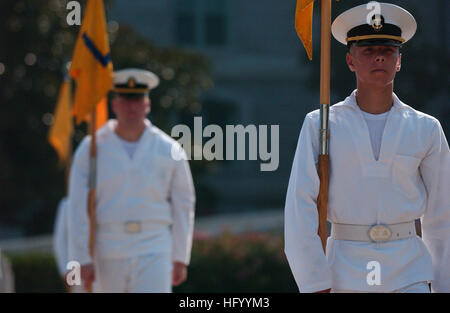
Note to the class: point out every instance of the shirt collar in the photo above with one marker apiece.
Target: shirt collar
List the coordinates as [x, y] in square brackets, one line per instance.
[148, 123]
[111, 125]
[351, 102]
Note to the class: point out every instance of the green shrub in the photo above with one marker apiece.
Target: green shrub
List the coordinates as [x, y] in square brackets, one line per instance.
[252, 262]
[36, 272]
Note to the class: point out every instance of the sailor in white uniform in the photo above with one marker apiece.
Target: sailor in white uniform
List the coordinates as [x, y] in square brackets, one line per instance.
[61, 245]
[144, 198]
[60, 240]
[389, 165]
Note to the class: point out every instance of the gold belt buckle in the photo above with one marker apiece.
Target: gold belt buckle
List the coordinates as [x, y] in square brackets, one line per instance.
[133, 227]
[379, 233]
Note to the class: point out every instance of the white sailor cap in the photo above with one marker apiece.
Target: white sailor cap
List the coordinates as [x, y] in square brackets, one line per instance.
[374, 23]
[134, 81]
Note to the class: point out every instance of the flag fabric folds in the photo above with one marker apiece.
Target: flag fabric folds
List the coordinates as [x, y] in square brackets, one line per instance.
[91, 66]
[60, 134]
[101, 116]
[303, 23]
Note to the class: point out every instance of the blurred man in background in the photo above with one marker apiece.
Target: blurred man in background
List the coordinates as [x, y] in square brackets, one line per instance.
[61, 245]
[144, 198]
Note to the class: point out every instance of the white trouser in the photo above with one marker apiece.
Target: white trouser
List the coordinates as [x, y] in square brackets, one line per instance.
[151, 273]
[77, 289]
[420, 287]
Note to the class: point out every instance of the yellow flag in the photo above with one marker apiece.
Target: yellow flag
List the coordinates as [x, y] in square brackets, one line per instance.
[91, 66]
[101, 116]
[60, 134]
[303, 23]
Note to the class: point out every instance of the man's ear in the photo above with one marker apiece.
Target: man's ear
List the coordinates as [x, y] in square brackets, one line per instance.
[399, 63]
[349, 58]
[148, 105]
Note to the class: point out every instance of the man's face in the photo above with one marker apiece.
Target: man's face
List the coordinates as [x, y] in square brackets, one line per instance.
[374, 65]
[130, 111]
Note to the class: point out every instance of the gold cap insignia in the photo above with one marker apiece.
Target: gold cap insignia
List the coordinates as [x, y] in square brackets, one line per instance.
[377, 22]
[131, 82]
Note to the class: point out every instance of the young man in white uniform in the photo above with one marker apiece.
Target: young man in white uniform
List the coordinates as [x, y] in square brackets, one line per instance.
[144, 198]
[389, 165]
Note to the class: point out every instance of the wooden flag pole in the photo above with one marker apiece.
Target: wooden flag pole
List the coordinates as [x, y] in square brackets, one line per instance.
[68, 165]
[92, 185]
[325, 45]
[70, 148]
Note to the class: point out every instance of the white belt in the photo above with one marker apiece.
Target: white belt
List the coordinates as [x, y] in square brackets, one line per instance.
[131, 227]
[373, 233]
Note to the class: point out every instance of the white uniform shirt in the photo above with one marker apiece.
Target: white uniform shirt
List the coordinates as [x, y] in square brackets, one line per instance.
[410, 180]
[60, 240]
[151, 187]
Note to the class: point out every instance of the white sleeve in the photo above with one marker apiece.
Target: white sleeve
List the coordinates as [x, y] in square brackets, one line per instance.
[78, 223]
[60, 239]
[303, 247]
[182, 199]
[435, 171]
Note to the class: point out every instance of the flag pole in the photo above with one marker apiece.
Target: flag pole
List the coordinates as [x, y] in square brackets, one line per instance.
[325, 49]
[68, 165]
[69, 148]
[92, 185]
[92, 70]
